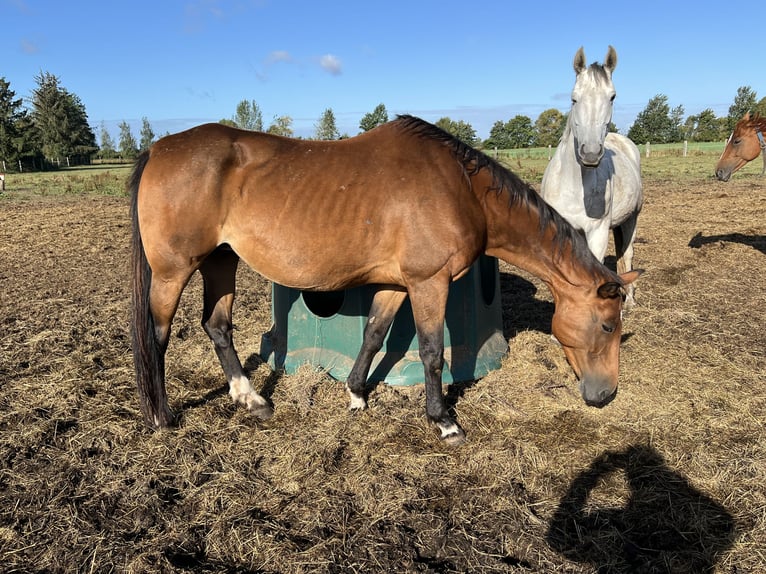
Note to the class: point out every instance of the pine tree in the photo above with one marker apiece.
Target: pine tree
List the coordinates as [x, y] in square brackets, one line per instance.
[326, 129]
[128, 146]
[11, 114]
[107, 144]
[60, 120]
[147, 135]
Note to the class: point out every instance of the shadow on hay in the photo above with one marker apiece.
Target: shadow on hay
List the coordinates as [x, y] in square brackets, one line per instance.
[665, 521]
[522, 311]
[755, 241]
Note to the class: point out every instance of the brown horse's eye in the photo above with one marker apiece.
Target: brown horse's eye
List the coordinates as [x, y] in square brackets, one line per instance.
[607, 328]
[737, 141]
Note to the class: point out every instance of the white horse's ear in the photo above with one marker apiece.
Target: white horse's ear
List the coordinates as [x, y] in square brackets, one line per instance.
[579, 61]
[610, 62]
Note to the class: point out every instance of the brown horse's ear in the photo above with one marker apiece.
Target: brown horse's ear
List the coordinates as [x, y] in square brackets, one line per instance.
[610, 62]
[613, 289]
[610, 290]
[579, 61]
[630, 276]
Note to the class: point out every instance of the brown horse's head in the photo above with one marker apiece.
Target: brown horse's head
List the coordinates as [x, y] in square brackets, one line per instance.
[743, 146]
[589, 329]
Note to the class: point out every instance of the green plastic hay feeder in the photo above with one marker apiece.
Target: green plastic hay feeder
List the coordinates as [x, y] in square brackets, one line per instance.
[326, 329]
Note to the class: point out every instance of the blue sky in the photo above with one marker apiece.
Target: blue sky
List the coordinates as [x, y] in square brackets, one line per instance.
[182, 63]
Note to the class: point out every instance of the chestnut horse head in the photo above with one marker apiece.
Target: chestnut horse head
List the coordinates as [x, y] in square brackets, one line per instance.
[745, 144]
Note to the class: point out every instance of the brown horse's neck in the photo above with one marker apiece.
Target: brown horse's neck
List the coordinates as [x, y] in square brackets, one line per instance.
[523, 231]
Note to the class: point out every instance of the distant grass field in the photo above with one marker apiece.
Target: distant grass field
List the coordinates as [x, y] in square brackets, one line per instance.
[664, 161]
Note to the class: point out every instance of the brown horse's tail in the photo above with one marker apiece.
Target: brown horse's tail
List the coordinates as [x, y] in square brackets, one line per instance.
[148, 352]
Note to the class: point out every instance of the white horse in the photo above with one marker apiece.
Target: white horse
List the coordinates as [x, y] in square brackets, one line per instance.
[594, 178]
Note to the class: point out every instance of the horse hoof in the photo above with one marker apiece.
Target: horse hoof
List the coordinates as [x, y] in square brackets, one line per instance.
[452, 434]
[454, 439]
[261, 412]
[162, 420]
[356, 402]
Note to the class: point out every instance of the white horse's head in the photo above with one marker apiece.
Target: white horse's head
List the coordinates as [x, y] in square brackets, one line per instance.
[592, 100]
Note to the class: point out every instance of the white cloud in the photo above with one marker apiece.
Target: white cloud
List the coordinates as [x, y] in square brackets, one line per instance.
[330, 64]
[279, 56]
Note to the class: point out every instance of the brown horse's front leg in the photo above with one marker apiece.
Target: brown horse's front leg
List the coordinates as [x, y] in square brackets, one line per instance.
[432, 355]
[429, 304]
[385, 303]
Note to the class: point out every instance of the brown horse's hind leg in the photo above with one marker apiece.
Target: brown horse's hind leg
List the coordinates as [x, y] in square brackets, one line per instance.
[385, 304]
[429, 304]
[219, 273]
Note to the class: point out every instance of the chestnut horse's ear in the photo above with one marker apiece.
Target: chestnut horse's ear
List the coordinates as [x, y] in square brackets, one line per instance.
[610, 290]
[579, 61]
[610, 62]
[613, 289]
[630, 276]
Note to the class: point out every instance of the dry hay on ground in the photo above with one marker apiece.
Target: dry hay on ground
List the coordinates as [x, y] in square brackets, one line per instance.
[670, 477]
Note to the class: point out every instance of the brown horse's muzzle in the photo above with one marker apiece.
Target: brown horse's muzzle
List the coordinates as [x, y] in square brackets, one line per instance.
[723, 174]
[597, 392]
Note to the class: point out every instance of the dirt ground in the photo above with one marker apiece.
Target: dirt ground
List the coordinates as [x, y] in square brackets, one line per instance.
[670, 477]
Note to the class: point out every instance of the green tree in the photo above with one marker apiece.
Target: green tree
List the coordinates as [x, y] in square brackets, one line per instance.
[325, 128]
[760, 107]
[377, 117]
[498, 136]
[11, 115]
[107, 150]
[249, 116]
[656, 123]
[147, 135]
[744, 101]
[704, 127]
[60, 119]
[460, 129]
[128, 146]
[520, 131]
[228, 122]
[549, 127]
[281, 126]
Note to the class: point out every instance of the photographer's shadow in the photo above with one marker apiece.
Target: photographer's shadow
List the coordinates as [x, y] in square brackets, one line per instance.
[666, 525]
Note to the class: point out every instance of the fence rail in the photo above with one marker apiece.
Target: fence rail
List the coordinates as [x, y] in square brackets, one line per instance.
[680, 149]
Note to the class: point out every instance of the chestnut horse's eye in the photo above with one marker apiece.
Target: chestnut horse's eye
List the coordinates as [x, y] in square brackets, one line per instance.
[737, 141]
[607, 328]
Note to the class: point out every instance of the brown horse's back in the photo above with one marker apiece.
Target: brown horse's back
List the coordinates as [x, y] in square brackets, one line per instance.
[386, 200]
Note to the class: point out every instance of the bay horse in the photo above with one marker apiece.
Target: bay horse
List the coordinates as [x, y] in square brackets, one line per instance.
[744, 145]
[594, 177]
[406, 207]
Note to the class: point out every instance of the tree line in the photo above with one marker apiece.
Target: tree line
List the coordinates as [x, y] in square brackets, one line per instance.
[53, 129]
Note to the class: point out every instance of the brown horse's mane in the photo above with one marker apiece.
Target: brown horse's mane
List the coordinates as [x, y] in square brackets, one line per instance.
[754, 121]
[504, 179]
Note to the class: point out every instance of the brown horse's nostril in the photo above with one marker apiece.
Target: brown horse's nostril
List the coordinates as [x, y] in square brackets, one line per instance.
[599, 399]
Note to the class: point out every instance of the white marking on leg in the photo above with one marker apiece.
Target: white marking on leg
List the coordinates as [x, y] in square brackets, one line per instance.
[243, 393]
[357, 402]
[452, 434]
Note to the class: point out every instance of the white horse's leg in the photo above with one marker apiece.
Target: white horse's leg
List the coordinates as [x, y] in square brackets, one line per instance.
[624, 236]
[598, 240]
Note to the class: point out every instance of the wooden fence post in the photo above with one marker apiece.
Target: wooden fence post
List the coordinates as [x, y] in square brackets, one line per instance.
[648, 152]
